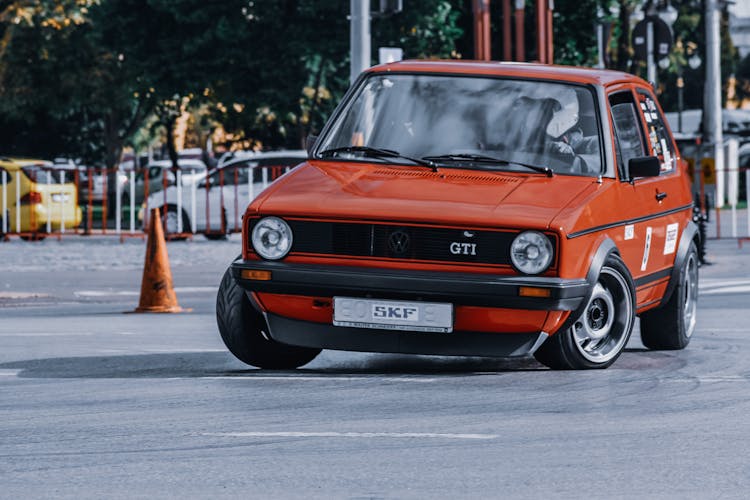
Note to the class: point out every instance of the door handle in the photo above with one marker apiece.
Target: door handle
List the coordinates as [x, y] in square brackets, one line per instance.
[660, 196]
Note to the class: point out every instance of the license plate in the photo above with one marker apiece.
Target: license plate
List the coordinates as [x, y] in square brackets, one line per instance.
[393, 315]
[60, 197]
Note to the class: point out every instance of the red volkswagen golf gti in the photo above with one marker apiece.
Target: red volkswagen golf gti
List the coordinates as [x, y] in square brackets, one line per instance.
[472, 209]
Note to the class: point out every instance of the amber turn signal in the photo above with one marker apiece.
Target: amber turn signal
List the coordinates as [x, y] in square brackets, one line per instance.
[532, 291]
[251, 274]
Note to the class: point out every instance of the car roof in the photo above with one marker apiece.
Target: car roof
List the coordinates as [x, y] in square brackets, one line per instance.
[181, 162]
[511, 69]
[238, 156]
[9, 163]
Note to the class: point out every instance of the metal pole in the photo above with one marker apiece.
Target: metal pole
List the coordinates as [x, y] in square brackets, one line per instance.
[651, 66]
[4, 213]
[712, 106]
[507, 32]
[520, 30]
[541, 31]
[482, 30]
[132, 201]
[680, 97]
[359, 37]
[62, 205]
[49, 202]
[550, 46]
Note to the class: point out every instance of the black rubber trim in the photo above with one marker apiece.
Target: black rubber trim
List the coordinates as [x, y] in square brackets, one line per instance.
[629, 221]
[325, 336]
[644, 280]
[606, 248]
[682, 249]
[647, 304]
[484, 290]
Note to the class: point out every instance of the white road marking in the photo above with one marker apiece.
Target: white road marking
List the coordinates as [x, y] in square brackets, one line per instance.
[303, 378]
[709, 379]
[9, 373]
[714, 282]
[106, 293]
[23, 295]
[365, 435]
[135, 293]
[726, 289]
[47, 334]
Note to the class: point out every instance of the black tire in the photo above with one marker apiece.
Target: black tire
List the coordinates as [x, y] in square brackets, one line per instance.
[671, 326]
[169, 215]
[596, 338]
[3, 235]
[215, 236]
[218, 235]
[33, 237]
[242, 329]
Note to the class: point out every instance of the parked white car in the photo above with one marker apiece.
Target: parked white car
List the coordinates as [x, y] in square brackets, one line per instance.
[214, 203]
[191, 170]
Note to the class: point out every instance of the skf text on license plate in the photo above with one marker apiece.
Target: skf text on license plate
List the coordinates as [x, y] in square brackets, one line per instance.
[406, 313]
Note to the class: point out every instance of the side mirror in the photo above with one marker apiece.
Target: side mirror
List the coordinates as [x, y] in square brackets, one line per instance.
[647, 166]
[310, 141]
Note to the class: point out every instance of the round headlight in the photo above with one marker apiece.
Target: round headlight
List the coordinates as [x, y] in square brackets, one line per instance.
[272, 238]
[531, 252]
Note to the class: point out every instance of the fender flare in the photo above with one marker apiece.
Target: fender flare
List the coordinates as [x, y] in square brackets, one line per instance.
[605, 249]
[688, 235]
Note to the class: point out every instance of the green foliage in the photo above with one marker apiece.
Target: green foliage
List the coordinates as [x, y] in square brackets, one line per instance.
[574, 34]
[89, 76]
[429, 30]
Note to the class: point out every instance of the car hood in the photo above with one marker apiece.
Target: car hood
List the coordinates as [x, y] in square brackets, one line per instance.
[450, 196]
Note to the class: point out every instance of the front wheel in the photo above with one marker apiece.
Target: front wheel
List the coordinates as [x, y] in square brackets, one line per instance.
[243, 330]
[598, 336]
[671, 326]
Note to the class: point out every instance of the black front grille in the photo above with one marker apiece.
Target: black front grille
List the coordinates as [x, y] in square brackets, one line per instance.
[403, 242]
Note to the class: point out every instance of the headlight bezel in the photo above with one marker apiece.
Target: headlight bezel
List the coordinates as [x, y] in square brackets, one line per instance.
[542, 242]
[271, 223]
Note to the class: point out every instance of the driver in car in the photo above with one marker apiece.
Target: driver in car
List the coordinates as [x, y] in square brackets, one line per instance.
[564, 136]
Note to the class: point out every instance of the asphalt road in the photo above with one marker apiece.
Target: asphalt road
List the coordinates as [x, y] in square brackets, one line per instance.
[95, 403]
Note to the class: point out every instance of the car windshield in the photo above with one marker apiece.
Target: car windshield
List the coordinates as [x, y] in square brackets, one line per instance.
[450, 119]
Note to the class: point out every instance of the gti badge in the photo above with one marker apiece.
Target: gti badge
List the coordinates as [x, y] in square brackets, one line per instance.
[458, 248]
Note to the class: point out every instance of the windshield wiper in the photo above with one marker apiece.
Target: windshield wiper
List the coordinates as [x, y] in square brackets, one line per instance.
[488, 159]
[378, 153]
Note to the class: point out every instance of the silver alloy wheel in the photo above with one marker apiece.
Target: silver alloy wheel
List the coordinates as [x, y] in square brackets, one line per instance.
[602, 330]
[690, 295]
[170, 222]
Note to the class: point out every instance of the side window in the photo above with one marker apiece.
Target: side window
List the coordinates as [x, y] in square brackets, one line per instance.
[658, 134]
[628, 136]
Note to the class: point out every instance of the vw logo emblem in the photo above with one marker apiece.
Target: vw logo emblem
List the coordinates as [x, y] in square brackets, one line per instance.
[398, 242]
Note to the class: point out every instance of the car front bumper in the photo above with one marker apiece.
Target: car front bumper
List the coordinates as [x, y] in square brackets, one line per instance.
[471, 289]
[460, 289]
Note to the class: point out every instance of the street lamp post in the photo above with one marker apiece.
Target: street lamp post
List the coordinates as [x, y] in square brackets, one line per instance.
[693, 61]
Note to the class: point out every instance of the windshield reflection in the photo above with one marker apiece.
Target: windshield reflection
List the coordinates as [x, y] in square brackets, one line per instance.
[537, 123]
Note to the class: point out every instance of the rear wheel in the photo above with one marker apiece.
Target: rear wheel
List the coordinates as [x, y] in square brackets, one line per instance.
[596, 338]
[244, 331]
[671, 326]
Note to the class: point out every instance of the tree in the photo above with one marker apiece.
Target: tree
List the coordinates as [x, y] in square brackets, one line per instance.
[58, 81]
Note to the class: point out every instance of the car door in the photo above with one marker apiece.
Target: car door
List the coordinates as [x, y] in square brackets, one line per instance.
[671, 187]
[648, 237]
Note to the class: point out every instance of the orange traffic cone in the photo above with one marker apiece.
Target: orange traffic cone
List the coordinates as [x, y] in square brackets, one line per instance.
[157, 292]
